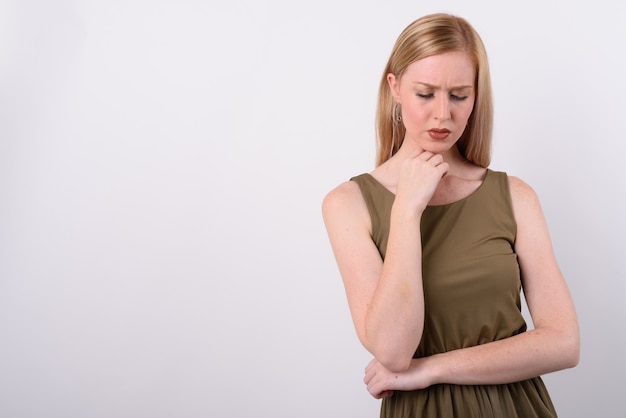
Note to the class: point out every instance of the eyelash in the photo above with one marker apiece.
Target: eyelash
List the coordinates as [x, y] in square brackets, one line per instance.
[452, 96]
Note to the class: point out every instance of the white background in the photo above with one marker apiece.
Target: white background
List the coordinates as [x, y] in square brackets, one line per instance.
[162, 166]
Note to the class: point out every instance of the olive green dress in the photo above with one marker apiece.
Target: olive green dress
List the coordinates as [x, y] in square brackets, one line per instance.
[472, 286]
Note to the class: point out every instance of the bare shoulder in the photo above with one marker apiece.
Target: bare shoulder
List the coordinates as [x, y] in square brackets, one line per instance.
[346, 191]
[522, 194]
[526, 206]
[344, 200]
[520, 189]
[349, 227]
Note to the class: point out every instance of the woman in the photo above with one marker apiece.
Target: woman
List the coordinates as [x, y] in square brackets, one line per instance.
[433, 247]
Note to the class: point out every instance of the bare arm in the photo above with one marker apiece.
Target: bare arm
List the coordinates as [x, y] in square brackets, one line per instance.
[552, 345]
[386, 299]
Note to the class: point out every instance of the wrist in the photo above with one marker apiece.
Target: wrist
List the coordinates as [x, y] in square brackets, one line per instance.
[404, 213]
[435, 369]
[432, 369]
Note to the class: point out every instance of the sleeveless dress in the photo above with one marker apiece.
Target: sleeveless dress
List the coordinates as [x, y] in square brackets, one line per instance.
[472, 285]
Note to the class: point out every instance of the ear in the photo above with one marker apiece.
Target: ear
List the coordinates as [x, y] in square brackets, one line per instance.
[394, 86]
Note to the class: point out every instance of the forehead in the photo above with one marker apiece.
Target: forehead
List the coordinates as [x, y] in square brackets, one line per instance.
[450, 68]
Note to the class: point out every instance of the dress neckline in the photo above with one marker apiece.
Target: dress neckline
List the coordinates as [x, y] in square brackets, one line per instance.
[469, 196]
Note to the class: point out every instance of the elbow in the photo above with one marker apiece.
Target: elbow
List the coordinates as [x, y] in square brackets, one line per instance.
[396, 365]
[571, 360]
[571, 351]
[395, 362]
[573, 357]
[391, 358]
[395, 356]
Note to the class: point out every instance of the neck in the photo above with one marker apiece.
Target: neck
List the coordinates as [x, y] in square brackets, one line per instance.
[452, 156]
[459, 166]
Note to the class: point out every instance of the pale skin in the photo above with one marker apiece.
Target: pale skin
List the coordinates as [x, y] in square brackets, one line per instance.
[386, 298]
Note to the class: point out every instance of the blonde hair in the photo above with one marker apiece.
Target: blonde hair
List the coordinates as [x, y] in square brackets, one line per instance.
[431, 35]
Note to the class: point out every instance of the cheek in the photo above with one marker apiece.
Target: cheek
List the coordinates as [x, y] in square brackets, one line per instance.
[466, 111]
[413, 114]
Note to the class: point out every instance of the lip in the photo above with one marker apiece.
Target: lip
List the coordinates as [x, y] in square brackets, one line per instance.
[438, 134]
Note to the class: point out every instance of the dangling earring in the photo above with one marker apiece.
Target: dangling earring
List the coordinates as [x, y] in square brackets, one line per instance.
[396, 118]
[396, 114]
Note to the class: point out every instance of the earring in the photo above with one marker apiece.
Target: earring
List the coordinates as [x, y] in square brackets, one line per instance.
[396, 114]
[396, 118]
[393, 142]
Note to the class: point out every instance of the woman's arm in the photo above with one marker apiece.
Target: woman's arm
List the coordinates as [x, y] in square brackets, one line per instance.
[552, 345]
[386, 299]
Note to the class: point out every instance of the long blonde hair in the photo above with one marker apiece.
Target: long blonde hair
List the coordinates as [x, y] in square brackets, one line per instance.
[431, 35]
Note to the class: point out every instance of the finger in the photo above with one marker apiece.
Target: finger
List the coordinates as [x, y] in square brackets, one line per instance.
[367, 378]
[371, 388]
[378, 394]
[443, 168]
[436, 159]
[425, 155]
[417, 151]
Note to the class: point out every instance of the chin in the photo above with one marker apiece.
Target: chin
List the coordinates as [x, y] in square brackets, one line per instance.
[439, 147]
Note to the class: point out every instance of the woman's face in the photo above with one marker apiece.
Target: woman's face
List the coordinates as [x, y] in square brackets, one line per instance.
[437, 97]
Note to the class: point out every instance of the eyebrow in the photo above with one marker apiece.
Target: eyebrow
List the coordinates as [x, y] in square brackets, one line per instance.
[431, 86]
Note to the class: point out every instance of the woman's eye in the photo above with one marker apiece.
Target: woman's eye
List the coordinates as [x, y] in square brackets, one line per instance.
[425, 95]
[457, 98]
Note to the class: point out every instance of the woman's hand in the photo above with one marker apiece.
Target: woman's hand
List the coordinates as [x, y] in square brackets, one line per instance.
[419, 176]
[381, 383]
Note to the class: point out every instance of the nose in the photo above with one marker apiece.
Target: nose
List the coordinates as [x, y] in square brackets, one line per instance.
[442, 110]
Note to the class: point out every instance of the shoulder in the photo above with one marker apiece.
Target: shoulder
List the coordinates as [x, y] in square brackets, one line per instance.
[346, 215]
[521, 191]
[345, 197]
[523, 198]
